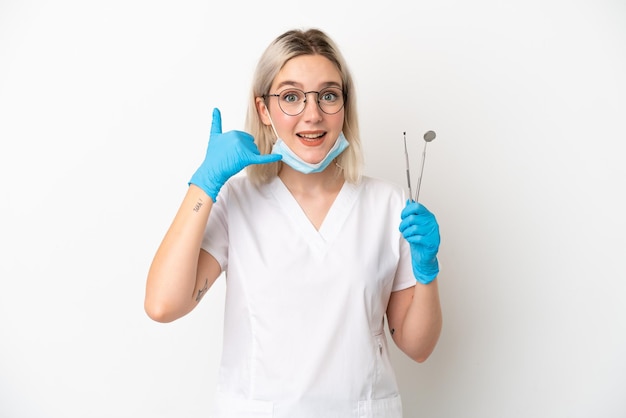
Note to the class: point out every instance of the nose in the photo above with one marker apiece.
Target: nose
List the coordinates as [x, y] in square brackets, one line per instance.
[311, 106]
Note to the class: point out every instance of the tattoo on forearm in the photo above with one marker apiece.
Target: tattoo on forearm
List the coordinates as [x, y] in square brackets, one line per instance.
[198, 205]
[202, 291]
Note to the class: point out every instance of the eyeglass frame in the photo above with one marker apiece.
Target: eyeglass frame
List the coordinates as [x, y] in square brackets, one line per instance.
[306, 93]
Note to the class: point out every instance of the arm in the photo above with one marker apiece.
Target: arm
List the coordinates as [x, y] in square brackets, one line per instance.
[414, 314]
[415, 320]
[181, 272]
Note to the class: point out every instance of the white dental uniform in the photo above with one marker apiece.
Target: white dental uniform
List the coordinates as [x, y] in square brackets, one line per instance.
[304, 316]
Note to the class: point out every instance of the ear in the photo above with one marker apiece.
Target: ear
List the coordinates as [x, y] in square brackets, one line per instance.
[262, 110]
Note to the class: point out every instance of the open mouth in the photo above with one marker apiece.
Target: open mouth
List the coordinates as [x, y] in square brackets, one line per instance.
[312, 139]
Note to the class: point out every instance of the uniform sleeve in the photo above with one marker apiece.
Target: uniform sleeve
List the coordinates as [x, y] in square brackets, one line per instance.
[404, 274]
[215, 240]
[404, 277]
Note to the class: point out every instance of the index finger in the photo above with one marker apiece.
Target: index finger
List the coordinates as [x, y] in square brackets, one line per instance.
[414, 208]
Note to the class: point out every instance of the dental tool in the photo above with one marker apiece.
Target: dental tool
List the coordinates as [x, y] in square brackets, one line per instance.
[408, 172]
[428, 137]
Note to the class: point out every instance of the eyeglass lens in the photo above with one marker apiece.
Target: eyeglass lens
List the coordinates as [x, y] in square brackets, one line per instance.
[292, 101]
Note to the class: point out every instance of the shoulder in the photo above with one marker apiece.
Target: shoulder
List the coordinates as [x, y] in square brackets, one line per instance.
[382, 188]
[381, 196]
[241, 187]
[239, 180]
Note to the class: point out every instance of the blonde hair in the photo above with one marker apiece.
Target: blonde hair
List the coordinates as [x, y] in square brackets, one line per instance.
[291, 44]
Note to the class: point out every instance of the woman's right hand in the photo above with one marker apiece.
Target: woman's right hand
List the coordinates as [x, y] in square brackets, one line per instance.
[227, 154]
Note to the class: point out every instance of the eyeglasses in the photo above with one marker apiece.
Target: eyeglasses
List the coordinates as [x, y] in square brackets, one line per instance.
[292, 101]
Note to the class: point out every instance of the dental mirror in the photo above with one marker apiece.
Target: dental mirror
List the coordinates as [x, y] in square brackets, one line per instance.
[428, 137]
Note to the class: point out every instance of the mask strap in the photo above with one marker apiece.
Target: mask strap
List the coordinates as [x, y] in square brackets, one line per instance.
[272, 123]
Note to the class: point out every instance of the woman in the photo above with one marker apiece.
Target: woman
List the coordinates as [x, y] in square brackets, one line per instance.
[315, 255]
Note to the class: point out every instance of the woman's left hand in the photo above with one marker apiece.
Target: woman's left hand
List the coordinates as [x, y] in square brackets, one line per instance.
[420, 228]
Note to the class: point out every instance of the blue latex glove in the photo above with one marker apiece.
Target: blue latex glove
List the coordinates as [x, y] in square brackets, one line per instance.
[227, 154]
[419, 227]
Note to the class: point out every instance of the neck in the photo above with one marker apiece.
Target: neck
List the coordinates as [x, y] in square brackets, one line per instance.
[329, 180]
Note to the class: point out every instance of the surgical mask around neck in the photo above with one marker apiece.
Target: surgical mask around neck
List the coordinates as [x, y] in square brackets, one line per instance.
[292, 160]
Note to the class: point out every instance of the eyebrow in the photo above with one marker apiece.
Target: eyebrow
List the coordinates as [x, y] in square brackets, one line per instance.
[299, 85]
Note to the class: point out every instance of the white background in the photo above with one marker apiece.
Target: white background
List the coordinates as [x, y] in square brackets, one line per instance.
[105, 111]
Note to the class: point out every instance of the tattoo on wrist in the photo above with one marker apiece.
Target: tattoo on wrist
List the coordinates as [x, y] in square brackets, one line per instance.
[198, 205]
[202, 291]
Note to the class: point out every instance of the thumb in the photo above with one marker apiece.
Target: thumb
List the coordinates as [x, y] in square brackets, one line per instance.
[216, 125]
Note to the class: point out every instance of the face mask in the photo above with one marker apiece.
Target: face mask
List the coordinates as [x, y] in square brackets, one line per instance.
[292, 160]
